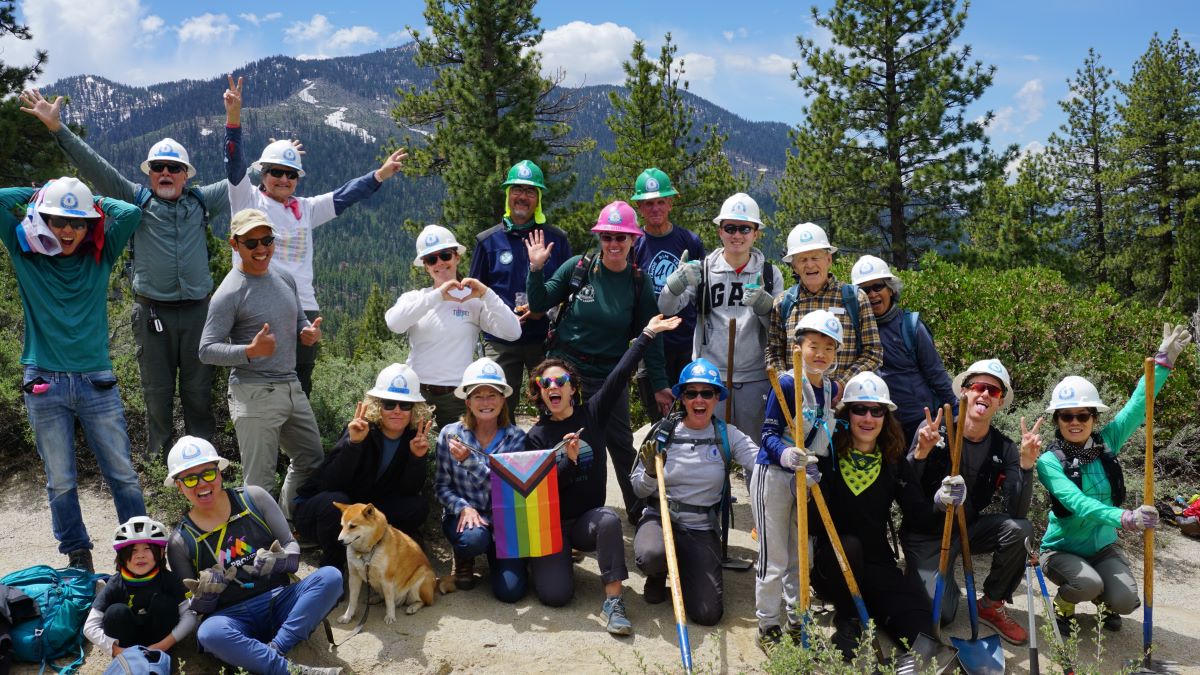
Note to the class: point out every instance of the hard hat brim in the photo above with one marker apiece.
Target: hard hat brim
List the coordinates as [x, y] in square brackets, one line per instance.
[523, 181]
[464, 390]
[787, 258]
[642, 196]
[961, 377]
[222, 463]
[417, 262]
[191, 170]
[386, 395]
[259, 164]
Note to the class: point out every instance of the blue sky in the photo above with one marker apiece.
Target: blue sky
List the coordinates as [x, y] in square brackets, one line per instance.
[737, 54]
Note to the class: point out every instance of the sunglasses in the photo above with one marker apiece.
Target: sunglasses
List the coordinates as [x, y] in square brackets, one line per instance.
[985, 388]
[432, 258]
[60, 223]
[874, 288]
[1076, 417]
[737, 229]
[523, 190]
[560, 381]
[864, 410]
[706, 394]
[391, 405]
[619, 238]
[192, 480]
[169, 167]
[252, 244]
[290, 174]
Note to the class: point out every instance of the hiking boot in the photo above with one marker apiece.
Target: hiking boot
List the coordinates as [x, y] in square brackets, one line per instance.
[1064, 616]
[81, 559]
[614, 611]
[464, 573]
[769, 639]
[1111, 622]
[992, 613]
[847, 633]
[795, 630]
[655, 590]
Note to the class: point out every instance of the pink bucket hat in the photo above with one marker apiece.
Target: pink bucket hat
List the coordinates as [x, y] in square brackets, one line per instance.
[618, 218]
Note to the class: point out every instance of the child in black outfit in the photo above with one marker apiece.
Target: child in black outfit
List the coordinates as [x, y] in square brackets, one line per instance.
[144, 603]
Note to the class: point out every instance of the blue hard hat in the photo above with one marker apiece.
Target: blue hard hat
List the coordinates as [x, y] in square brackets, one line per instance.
[701, 371]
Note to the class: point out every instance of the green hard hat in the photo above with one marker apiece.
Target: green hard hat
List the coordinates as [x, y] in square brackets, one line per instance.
[525, 172]
[652, 184]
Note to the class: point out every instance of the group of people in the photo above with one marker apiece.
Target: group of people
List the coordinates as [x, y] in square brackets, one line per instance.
[829, 379]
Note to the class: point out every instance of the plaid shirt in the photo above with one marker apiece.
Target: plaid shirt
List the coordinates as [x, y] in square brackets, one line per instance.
[468, 483]
[781, 338]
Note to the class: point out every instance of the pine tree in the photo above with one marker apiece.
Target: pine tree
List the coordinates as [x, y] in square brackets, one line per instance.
[1158, 177]
[27, 155]
[487, 108]
[372, 331]
[887, 156]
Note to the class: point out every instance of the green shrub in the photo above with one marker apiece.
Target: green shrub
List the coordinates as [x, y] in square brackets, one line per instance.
[339, 383]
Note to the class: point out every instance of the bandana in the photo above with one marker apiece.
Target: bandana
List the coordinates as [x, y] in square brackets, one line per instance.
[1085, 453]
[35, 236]
[859, 470]
[132, 580]
[293, 205]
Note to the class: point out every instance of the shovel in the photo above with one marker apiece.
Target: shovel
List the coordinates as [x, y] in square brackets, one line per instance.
[1035, 668]
[685, 646]
[1036, 566]
[977, 656]
[739, 564]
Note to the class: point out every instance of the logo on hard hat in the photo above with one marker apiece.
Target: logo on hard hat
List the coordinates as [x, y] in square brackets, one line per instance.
[167, 150]
[833, 324]
[698, 369]
[614, 216]
[866, 267]
[289, 154]
[506, 258]
[69, 201]
[739, 207]
[431, 239]
[524, 171]
[191, 451]
[651, 184]
[712, 373]
[995, 367]
[806, 236]
[399, 384]
[489, 372]
[870, 384]
[1066, 393]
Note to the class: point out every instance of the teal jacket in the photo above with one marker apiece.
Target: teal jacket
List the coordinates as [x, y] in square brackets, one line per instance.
[1094, 520]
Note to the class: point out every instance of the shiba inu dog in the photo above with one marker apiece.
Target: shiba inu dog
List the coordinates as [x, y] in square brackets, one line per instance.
[389, 560]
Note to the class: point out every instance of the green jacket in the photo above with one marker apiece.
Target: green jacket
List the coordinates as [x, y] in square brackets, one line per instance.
[1094, 520]
[599, 322]
[171, 247]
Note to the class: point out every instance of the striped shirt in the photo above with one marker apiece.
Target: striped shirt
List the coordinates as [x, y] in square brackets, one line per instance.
[458, 485]
[850, 362]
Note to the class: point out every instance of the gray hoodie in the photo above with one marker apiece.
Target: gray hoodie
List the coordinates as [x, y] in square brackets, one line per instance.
[725, 289]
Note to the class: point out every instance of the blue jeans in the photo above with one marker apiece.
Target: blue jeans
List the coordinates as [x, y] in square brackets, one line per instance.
[241, 634]
[95, 400]
[508, 577]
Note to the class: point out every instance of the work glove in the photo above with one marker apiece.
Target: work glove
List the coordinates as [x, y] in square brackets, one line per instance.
[757, 298]
[647, 452]
[686, 275]
[1142, 518]
[812, 475]
[1175, 339]
[953, 492]
[206, 589]
[791, 458]
[268, 561]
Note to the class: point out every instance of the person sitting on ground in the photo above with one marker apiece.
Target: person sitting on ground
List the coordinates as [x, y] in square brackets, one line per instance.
[236, 554]
[1080, 550]
[144, 603]
[911, 366]
[443, 321]
[587, 524]
[773, 487]
[994, 487]
[462, 482]
[697, 458]
[860, 480]
[380, 459]
[62, 255]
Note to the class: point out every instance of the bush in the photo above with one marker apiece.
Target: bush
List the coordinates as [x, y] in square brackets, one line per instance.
[339, 383]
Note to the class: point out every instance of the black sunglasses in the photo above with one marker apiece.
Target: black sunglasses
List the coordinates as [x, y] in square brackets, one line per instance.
[252, 244]
[444, 255]
[706, 394]
[391, 405]
[874, 288]
[619, 238]
[864, 410]
[61, 223]
[169, 167]
[1080, 416]
[283, 173]
[737, 229]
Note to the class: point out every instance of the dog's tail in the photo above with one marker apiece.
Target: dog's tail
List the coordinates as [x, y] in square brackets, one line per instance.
[445, 585]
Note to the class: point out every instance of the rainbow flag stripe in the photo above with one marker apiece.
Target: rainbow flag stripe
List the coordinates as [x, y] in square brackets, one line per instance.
[525, 517]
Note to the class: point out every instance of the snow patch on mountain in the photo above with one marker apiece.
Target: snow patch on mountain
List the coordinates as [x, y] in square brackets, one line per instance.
[336, 119]
[304, 95]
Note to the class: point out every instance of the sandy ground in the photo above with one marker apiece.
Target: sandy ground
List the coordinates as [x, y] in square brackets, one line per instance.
[470, 632]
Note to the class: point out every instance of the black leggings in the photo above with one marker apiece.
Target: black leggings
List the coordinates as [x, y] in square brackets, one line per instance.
[128, 628]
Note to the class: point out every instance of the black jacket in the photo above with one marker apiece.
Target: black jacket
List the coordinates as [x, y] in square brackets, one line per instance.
[353, 468]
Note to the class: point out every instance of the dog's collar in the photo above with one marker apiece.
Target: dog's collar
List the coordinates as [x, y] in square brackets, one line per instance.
[369, 555]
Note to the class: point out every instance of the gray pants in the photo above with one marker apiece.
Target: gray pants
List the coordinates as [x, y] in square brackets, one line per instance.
[268, 417]
[699, 556]
[167, 356]
[515, 360]
[749, 407]
[776, 584]
[1101, 578]
[997, 533]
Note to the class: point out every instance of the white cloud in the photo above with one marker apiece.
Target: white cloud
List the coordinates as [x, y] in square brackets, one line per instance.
[152, 24]
[258, 20]
[1029, 104]
[1029, 149]
[1034, 58]
[315, 29]
[322, 38]
[587, 53]
[771, 64]
[699, 67]
[207, 28]
[739, 33]
[355, 35]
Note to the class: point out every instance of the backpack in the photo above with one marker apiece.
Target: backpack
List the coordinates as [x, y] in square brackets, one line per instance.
[140, 661]
[908, 332]
[662, 433]
[1074, 471]
[849, 301]
[240, 507]
[578, 279]
[142, 197]
[64, 599]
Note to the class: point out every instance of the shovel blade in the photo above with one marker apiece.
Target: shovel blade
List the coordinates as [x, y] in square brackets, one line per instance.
[927, 652]
[982, 656]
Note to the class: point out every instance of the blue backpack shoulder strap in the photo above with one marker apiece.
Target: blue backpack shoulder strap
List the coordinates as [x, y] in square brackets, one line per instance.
[723, 438]
[850, 302]
[908, 331]
[790, 297]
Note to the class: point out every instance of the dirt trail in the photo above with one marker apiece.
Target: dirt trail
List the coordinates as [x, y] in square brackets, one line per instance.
[470, 632]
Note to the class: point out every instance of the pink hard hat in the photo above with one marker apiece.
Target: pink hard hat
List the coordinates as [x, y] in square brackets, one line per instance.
[618, 218]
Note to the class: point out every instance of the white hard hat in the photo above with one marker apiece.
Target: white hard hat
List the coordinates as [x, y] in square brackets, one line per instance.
[190, 451]
[67, 197]
[869, 268]
[140, 530]
[991, 367]
[740, 206]
[434, 238]
[806, 237]
[1075, 392]
[280, 153]
[822, 321]
[484, 371]
[168, 150]
[867, 387]
[397, 382]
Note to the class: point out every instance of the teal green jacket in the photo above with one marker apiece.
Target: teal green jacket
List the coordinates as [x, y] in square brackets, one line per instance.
[598, 322]
[1094, 520]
